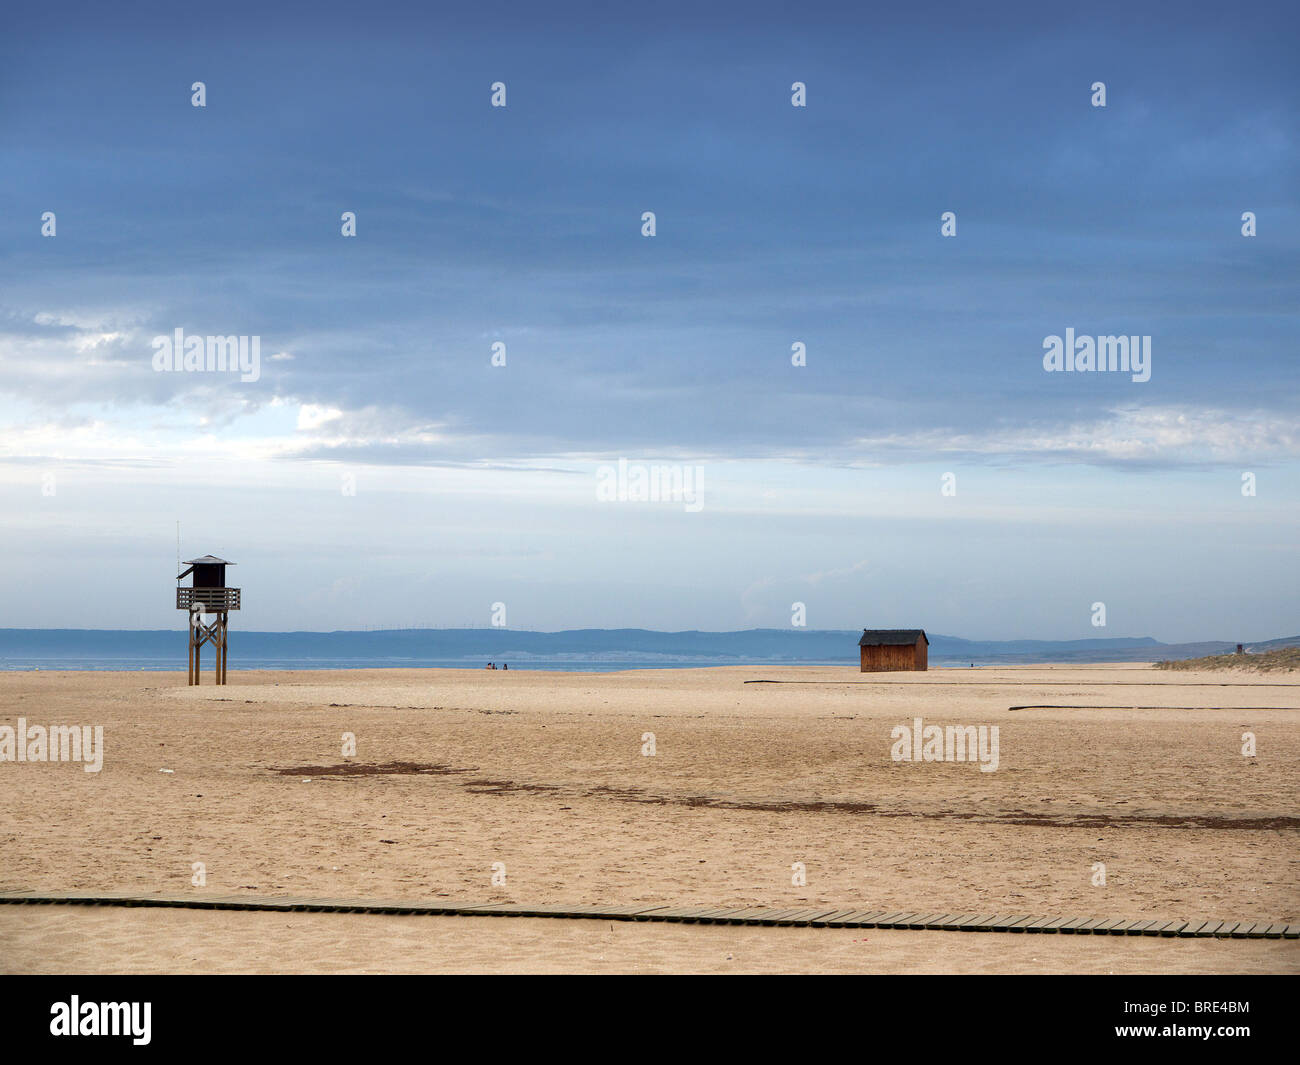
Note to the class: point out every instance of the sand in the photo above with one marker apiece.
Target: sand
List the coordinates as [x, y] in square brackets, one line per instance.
[544, 772]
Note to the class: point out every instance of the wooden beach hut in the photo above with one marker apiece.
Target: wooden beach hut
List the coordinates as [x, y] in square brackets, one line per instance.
[892, 650]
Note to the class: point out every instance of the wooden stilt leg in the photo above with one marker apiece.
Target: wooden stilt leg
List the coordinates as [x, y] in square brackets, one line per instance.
[216, 632]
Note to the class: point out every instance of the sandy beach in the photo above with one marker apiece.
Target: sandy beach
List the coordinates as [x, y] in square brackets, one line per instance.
[543, 772]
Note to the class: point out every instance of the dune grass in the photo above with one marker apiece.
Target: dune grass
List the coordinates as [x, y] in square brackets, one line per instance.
[1268, 662]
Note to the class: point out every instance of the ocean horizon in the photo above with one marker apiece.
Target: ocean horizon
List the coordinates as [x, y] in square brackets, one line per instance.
[578, 650]
[573, 665]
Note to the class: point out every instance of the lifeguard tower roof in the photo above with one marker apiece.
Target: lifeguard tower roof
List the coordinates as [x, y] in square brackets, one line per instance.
[206, 560]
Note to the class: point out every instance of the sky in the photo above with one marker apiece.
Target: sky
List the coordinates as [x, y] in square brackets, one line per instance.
[921, 468]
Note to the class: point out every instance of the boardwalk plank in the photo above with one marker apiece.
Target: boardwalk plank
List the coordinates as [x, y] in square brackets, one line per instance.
[894, 920]
[694, 914]
[757, 914]
[802, 917]
[956, 921]
[922, 920]
[986, 924]
[815, 917]
[715, 914]
[870, 918]
[748, 913]
[773, 917]
[863, 918]
[884, 918]
[829, 918]
[937, 921]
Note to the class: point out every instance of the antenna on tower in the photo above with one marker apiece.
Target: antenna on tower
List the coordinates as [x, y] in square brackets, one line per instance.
[178, 547]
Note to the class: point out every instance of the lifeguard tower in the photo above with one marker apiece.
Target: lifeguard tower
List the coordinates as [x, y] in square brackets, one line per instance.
[207, 595]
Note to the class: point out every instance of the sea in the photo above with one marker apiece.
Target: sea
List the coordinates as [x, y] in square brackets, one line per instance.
[556, 663]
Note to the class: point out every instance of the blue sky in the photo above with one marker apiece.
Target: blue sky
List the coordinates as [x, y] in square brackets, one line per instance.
[476, 483]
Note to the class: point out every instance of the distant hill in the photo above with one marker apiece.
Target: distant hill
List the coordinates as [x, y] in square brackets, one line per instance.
[1273, 645]
[415, 646]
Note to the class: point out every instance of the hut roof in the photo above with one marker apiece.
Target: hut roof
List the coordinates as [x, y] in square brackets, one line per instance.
[206, 560]
[892, 637]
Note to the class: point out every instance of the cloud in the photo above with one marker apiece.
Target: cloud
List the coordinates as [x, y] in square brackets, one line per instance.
[864, 566]
[1166, 436]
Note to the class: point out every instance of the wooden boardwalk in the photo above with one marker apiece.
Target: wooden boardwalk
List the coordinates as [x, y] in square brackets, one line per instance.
[807, 917]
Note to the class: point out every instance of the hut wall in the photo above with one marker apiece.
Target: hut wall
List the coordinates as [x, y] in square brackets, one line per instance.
[209, 576]
[893, 658]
